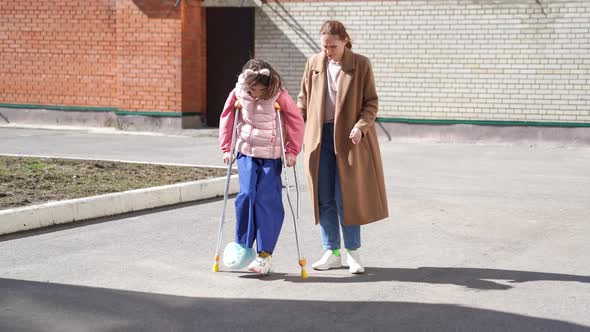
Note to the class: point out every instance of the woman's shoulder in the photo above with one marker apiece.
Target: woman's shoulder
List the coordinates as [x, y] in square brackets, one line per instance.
[360, 59]
[316, 56]
[315, 59]
[361, 62]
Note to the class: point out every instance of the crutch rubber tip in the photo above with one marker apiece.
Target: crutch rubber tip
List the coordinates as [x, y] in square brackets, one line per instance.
[216, 264]
[303, 274]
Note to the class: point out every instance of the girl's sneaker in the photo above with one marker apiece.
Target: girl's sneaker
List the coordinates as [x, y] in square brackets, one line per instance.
[261, 264]
[328, 261]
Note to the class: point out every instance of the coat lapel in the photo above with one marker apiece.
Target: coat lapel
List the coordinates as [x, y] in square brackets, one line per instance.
[345, 79]
[319, 80]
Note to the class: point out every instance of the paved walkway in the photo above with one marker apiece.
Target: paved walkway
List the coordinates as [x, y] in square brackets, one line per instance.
[481, 238]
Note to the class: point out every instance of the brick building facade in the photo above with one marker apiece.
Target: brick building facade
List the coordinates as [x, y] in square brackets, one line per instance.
[515, 63]
[102, 61]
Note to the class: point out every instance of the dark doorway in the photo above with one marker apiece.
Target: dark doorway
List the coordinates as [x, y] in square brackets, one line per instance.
[230, 44]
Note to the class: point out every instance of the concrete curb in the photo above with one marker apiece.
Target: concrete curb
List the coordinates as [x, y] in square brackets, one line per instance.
[200, 132]
[53, 213]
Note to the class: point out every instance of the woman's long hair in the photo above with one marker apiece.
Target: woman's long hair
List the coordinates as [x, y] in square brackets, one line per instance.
[333, 27]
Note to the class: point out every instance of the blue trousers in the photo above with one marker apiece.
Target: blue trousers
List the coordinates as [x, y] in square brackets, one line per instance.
[330, 199]
[259, 204]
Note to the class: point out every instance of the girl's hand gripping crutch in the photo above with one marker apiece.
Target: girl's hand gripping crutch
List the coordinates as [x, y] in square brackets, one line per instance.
[230, 162]
[300, 256]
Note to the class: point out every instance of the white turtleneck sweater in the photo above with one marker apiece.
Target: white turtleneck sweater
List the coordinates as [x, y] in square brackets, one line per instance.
[333, 73]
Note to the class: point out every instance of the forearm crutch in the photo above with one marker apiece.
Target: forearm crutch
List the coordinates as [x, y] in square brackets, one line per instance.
[237, 108]
[295, 215]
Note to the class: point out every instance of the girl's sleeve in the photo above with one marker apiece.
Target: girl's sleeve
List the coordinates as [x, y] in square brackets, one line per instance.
[293, 123]
[226, 123]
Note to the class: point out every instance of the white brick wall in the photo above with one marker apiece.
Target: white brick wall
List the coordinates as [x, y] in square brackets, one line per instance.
[450, 59]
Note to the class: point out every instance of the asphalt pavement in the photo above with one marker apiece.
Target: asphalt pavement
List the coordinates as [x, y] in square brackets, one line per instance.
[481, 237]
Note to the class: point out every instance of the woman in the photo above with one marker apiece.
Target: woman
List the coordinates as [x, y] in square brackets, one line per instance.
[339, 102]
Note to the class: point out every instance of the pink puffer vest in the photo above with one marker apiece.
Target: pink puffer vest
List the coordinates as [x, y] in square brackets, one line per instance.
[257, 126]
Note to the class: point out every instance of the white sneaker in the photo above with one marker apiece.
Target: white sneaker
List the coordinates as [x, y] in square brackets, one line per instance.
[328, 261]
[260, 265]
[353, 260]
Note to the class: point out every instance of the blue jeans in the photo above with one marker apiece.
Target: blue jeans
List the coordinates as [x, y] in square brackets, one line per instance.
[330, 199]
[259, 204]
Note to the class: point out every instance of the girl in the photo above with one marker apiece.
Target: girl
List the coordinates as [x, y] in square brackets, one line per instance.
[259, 205]
[343, 163]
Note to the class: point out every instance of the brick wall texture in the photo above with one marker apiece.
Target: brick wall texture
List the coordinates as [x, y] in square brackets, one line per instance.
[516, 60]
[521, 60]
[58, 52]
[140, 55]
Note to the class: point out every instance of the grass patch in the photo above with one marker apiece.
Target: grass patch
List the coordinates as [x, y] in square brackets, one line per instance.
[27, 181]
[35, 164]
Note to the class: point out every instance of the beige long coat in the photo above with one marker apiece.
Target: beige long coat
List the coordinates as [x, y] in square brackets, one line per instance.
[359, 166]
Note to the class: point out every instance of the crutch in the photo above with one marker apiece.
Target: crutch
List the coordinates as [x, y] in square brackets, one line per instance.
[300, 256]
[237, 108]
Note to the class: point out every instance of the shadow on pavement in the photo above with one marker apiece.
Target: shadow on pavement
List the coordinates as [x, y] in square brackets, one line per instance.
[35, 306]
[483, 279]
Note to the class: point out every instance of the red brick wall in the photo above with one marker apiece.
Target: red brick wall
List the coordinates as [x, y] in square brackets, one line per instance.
[148, 56]
[204, 58]
[136, 55]
[192, 66]
[58, 52]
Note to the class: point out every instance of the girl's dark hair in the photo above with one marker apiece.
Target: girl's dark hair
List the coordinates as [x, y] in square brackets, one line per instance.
[333, 27]
[273, 83]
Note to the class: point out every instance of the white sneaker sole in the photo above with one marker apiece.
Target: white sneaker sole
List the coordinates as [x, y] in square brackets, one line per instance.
[258, 272]
[326, 267]
[358, 270]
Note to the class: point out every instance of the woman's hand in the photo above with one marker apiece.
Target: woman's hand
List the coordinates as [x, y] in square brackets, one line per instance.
[355, 135]
[291, 160]
[226, 156]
